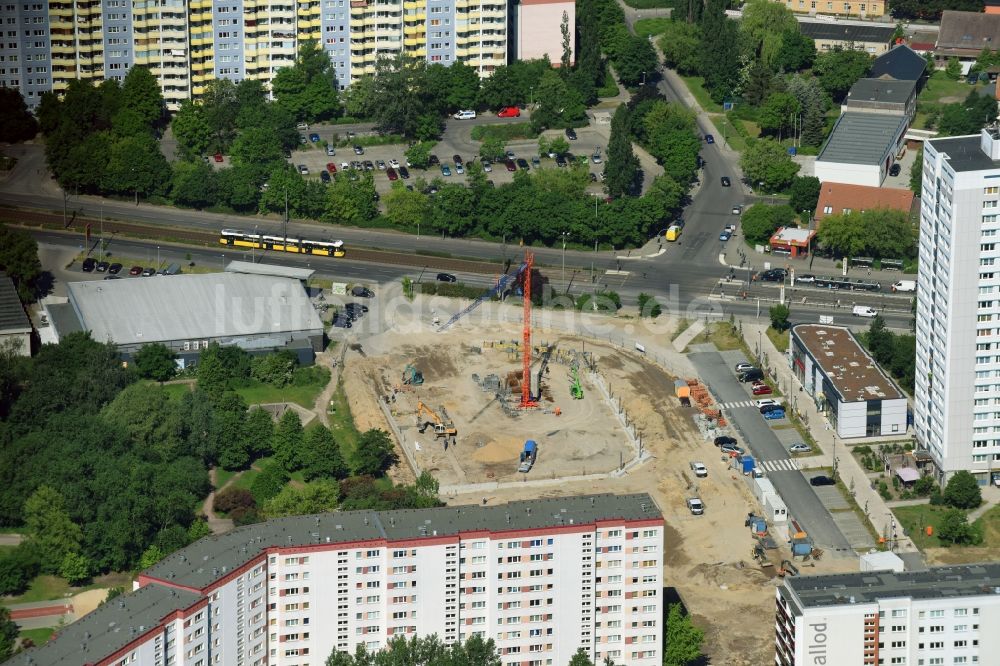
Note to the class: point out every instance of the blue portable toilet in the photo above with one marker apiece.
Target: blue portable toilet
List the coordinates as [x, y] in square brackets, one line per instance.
[748, 464]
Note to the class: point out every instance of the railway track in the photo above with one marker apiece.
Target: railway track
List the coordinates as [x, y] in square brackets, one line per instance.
[185, 236]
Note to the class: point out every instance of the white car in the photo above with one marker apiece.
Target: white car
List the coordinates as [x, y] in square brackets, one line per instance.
[468, 114]
[302, 127]
[303, 169]
[699, 469]
[695, 506]
[764, 402]
[394, 164]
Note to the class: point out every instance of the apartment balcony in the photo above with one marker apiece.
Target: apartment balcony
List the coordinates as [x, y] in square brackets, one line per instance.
[418, 53]
[412, 30]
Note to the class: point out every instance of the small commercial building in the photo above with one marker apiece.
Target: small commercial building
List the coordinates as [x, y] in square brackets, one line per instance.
[900, 63]
[537, 29]
[840, 198]
[15, 327]
[846, 383]
[829, 35]
[258, 313]
[861, 148]
[888, 96]
[792, 242]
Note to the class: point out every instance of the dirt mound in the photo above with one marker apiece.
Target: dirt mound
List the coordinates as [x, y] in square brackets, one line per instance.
[502, 450]
[436, 363]
[729, 575]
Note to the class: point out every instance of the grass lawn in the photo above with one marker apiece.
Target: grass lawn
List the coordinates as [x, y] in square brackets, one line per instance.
[42, 588]
[222, 476]
[38, 636]
[940, 85]
[651, 26]
[696, 85]
[779, 340]
[300, 395]
[342, 423]
[176, 391]
[246, 480]
[915, 519]
[508, 132]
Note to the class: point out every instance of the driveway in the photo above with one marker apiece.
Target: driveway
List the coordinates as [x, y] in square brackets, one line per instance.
[769, 446]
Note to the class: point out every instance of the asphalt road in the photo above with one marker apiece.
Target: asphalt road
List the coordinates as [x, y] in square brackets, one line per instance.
[757, 436]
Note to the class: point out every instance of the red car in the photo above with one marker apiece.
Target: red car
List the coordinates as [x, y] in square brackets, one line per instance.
[760, 388]
[509, 112]
[135, 270]
[509, 163]
[391, 173]
[218, 157]
[331, 167]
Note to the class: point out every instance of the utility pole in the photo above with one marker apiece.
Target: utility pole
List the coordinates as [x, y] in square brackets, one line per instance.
[285, 225]
[564, 234]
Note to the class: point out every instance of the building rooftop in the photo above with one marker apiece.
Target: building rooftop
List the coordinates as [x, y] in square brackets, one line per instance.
[274, 270]
[109, 628]
[211, 558]
[866, 587]
[862, 138]
[793, 236]
[881, 91]
[841, 197]
[191, 307]
[968, 31]
[854, 374]
[847, 32]
[901, 63]
[13, 318]
[965, 153]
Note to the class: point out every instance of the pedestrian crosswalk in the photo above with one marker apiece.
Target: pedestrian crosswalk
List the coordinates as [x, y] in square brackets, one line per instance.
[784, 465]
[737, 403]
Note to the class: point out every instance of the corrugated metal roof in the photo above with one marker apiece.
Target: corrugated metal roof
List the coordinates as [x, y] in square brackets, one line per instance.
[862, 138]
[189, 307]
[13, 318]
[275, 270]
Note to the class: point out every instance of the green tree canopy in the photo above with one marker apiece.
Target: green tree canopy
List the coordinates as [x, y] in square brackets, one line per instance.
[767, 165]
[308, 89]
[840, 68]
[375, 453]
[321, 456]
[763, 27]
[154, 361]
[962, 491]
[621, 169]
[8, 634]
[140, 93]
[760, 221]
[319, 496]
[954, 528]
[877, 232]
[19, 260]
[779, 317]
[49, 529]
[804, 194]
[288, 441]
[16, 122]
[680, 43]
[683, 639]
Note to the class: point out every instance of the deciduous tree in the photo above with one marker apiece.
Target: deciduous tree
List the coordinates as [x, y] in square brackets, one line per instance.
[405, 208]
[49, 529]
[680, 44]
[16, 122]
[319, 496]
[760, 221]
[763, 27]
[194, 184]
[8, 634]
[840, 68]
[622, 166]
[288, 441]
[683, 639]
[375, 453]
[962, 491]
[767, 165]
[804, 194]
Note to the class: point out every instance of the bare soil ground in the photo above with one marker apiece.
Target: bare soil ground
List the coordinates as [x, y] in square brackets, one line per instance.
[707, 559]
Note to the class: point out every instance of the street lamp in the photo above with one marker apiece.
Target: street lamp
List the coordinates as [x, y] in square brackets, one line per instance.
[564, 234]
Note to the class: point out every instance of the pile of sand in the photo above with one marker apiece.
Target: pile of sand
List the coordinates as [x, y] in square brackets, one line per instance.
[504, 449]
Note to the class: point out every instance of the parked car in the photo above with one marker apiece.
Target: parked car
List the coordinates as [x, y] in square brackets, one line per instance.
[391, 173]
[799, 448]
[135, 270]
[487, 166]
[359, 150]
[89, 264]
[314, 137]
[446, 277]
[571, 134]
[146, 272]
[331, 167]
[536, 161]
[699, 469]
[732, 448]
[769, 408]
[737, 210]
[709, 138]
[404, 173]
[457, 159]
[380, 164]
[360, 307]
[369, 166]
[725, 181]
[724, 439]
[560, 161]
[822, 480]
[509, 112]
[596, 158]
[445, 170]
[864, 311]
[302, 127]
[761, 389]
[753, 376]
[433, 160]
[510, 154]
[743, 367]
[218, 157]
[303, 169]
[725, 235]
[806, 279]
[324, 176]
[695, 506]
[362, 292]
[774, 415]
[766, 401]
[303, 140]
[330, 150]
[394, 164]
[342, 322]
[103, 266]
[593, 177]
[894, 170]
[522, 163]
[459, 169]
[467, 114]
[115, 268]
[509, 163]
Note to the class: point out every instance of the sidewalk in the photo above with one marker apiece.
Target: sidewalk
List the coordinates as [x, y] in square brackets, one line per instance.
[835, 451]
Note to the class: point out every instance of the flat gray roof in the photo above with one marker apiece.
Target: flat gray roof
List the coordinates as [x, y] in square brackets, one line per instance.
[213, 557]
[965, 153]
[13, 319]
[867, 586]
[862, 138]
[188, 307]
[109, 628]
[275, 270]
[888, 91]
[847, 33]
[854, 374]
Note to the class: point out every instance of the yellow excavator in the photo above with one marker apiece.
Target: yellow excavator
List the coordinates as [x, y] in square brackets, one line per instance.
[443, 427]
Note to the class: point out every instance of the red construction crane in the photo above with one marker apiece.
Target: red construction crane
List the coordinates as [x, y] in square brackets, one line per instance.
[526, 401]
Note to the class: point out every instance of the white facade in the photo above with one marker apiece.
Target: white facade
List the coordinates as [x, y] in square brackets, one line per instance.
[539, 29]
[957, 397]
[884, 624]
[871, 175]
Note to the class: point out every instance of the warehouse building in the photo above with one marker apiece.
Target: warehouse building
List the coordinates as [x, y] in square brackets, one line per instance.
[944, 615]
[542, 578]
[15, 327]
[861, 148]
[846, 383]
[259, 313]
[829, 35]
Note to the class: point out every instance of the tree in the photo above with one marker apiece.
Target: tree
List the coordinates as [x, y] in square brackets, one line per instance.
[559, 105]
[877, 232]
[321, 456]
[492, 148]
[194, 184]
[288, 441]
[136, 165]
[683, 639]
[227, 430]
[232, 498]
[17, 568]
[154, 361]
[351, 202]
[275, 369]
[141, 94]
[49, 529]
[149, 419]
[219, 109]
[954, 528]
[760, 221]
[76, 568]
[954, 68]
[671, 137]
[422, 651]
[840, 68]
[636, 61]
[917, 173]
[406, 208]
[804, 193]
[308, 89]
[8, 634]
[419, 154]
[268, 483]
[720, 52]
[779, 317]
[680, 43]
[797, 52]
[567, 44]
[16, 122]
[763, 27]
[581, 658]
[150, 557]
[967, 117]
[768, 165]
[375, 453]
[19, 260]
[258, 431]
[320, 496]
[779, 112]
[622, 166]
[814, 102]
[962, 491]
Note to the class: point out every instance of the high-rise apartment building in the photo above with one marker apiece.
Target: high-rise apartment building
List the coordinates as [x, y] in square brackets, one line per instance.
[957, 395]
[542, 578]
[940, 617]
[187, 43]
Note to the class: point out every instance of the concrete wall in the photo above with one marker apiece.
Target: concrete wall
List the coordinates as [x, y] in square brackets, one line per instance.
[852, 174]
[538, 29]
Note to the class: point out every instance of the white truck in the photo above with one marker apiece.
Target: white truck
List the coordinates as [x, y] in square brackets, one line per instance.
[528, 456]
[905, 286]
[699, 469]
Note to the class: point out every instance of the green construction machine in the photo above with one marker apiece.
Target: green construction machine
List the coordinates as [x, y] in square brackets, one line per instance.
[575, 388]
[412, 376]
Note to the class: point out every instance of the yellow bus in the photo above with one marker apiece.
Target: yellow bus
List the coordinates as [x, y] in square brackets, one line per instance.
[281, 244]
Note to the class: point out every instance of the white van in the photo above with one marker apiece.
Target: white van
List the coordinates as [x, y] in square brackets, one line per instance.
[905, 285]
[865, 311]
[465, 115]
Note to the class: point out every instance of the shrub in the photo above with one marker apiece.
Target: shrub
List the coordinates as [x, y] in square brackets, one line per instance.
[230, 499]
[883, 490]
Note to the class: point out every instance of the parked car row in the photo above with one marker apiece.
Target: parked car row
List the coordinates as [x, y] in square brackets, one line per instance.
[113, 270]
[350, 313]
